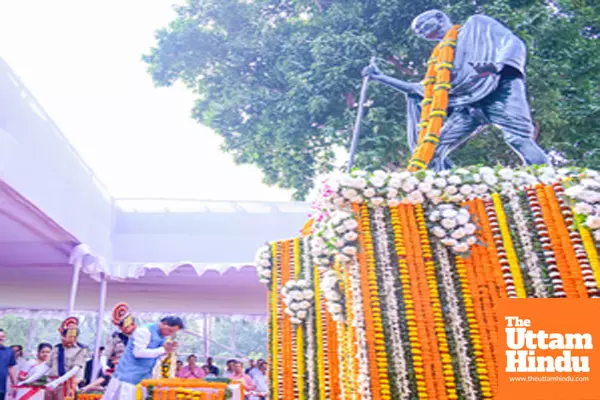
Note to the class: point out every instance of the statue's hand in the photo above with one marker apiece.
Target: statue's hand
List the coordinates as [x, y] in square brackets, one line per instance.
[371, 71]
[485, 69]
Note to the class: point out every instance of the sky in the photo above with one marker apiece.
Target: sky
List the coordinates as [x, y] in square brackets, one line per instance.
[81, 60]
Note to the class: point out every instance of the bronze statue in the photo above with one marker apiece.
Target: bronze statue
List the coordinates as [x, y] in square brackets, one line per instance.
[487, 87]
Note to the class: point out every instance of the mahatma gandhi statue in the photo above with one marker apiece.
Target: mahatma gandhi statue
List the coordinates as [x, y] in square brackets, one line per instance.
[487, 86]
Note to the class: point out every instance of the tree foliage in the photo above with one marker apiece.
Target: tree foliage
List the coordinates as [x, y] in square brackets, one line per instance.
[277, 79]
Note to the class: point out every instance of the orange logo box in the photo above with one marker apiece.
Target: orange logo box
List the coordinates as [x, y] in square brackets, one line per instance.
[549, 349]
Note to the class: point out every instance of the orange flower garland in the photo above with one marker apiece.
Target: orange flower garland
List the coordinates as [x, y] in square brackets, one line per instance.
[275, 313]
[433, 375]
[320, 340]
[299, 353]
[434, 106]
[555, 240]
[434, 296]
[411, 319]
[565, 243]
[286, 349]
[380, 385]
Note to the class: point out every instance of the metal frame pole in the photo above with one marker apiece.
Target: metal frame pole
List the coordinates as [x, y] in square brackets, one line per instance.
[101, 307]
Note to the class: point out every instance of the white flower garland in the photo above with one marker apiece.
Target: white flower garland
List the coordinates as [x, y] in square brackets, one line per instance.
[433, 188]
[530, 256]
[454, 228]
[391, 302]
[456, 322]
[330, 286]
[264, 264]
[298, 297]
[364, 387]
[310, 328]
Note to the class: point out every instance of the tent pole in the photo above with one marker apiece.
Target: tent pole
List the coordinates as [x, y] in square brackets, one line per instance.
[205, 336]
[30, 334]
[74, 285]
[102, 306]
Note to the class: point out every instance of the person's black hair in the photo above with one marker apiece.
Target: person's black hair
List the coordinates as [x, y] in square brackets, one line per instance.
[192, 355]
[101, 348]
[18, 346]
[44, 345]
[173, 321]
[2, 330]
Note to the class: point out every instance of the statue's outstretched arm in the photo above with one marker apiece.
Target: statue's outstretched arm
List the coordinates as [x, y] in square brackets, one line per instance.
[408, 88]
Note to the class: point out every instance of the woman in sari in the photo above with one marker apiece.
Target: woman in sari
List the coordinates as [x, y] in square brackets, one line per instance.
[28, 369]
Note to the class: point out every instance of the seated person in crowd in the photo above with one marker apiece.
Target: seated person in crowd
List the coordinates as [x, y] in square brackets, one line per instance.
[207, 372]
[212, 368]
[261, 391]
[229, 369]
[191, 370]
[178, 366]
[238, 376]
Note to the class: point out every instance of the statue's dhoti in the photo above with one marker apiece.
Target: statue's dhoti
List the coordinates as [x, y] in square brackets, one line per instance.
[507, 108]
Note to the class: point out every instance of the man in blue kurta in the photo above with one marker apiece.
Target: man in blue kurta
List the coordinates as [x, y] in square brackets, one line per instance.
[146, 345]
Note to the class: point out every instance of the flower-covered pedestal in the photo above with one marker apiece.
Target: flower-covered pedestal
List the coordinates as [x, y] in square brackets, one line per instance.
[392, 294]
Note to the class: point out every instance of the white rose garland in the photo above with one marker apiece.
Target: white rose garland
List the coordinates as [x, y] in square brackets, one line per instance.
[264, 264]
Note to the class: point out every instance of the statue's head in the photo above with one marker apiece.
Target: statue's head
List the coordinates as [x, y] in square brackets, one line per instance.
[431, 25]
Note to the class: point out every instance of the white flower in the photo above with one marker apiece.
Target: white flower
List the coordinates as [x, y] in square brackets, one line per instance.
[308, 294]
[266, 273]
[349, 250]
[289, 312]
[416, 197]
[457, 198]
[462, 171]
[407, 187]
[343, 258]
[451, 190]
[449, 242]
[458, 234]
[350, 224]
[296, 321]
[294, 306]
[438, 232]
[360, 183]
[369, 192]
[449, 213]
[462, 219]
[377, 201]
[377, 182]
[334, 296]
[593, 222]
[590, 196]
[435, 216]
[424, 187]
[444, 173]
[302, 314]
[265, 263]
[357, 200]
[597, 235]
[339, 201]
[448, 223]
[583, 208]
[349, 193]
[461, 248]
[491, 180]
[574, 191]
[506, 186]
[506, 174]
[335, 308]
[470, 228]
[590, 183]
[391, 193]
[395, 183]
[471, 240]
[466, 189]
[351, 236]
[454, 180]
[481, 189]
[476, 178]
[305, 305]
[486, 171]
[393, 203]
[412, 180]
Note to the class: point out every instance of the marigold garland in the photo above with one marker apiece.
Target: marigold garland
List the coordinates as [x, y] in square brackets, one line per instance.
[442, 341]
[319, 344]
[276, 284]
[574, 269]
[434, 106]
[299, 354]
[286, 346]
[555, 242]
[374, 325]
[590, 248]
[474, 320]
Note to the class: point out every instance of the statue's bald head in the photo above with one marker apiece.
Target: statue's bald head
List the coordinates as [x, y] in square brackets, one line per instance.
[431, 25]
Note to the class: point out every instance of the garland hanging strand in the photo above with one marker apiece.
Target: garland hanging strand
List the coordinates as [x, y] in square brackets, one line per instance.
[434, 106]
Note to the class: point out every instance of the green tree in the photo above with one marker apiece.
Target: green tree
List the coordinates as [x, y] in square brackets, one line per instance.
[277, 79]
